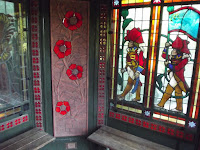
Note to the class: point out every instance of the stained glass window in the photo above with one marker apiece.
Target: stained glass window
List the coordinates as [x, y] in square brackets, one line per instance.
[179, 27]
[13, 55]
[134, 34]
[173, 1]
[155, 61]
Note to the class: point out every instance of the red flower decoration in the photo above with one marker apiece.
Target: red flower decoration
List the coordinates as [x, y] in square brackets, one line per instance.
[72, 20]
[63, 107]
[134, 35]
[74, 72]
[67, 51]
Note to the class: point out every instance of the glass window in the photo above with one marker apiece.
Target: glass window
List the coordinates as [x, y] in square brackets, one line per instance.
[155, 62]
[13, 55]
[176, 56]
[134, 34]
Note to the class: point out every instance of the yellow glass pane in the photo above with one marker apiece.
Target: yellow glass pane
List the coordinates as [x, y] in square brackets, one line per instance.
[170, 1]
[134, 1]
[2, 115]
[18, 109]
[170, 119]
[139, 111]
[115, 23]
[10, 112]
[196, 95]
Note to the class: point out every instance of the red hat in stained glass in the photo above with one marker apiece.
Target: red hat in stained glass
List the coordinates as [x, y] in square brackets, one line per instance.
[134, 35]
[181, 45]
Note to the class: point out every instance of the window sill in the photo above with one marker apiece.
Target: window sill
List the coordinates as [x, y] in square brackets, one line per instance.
[33, 139]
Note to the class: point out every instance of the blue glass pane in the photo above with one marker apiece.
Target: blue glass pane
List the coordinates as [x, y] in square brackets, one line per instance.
[186, 21]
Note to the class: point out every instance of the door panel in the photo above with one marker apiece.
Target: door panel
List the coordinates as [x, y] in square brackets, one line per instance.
[15, 90]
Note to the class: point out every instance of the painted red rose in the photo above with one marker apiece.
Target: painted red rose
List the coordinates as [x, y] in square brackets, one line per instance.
[74, 72]
[63, 107]
[72, 20]
[66, 44]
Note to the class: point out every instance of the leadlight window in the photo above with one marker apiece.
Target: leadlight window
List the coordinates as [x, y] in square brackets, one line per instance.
[155, 54]
[13, 58]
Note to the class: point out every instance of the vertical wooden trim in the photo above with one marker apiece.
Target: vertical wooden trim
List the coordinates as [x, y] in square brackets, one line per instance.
[93, 66]
[45, 46]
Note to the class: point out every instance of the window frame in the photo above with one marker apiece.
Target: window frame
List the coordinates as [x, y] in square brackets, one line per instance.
[125, 117]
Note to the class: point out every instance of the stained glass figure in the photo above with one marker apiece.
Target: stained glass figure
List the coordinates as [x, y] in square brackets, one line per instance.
[175, 62]
[134, 63]
[132, 54]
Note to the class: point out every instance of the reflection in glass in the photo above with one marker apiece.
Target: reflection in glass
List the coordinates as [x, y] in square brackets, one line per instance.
[13, 54]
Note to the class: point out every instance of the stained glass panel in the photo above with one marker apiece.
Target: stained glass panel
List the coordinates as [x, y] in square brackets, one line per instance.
[168, 35]
[133, 45]
[180, 23]
[177, 51]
